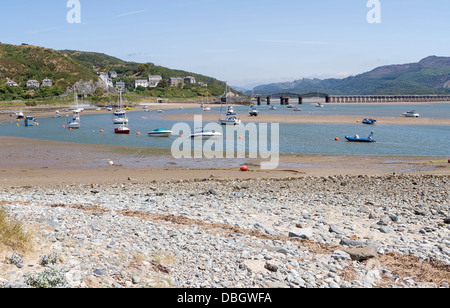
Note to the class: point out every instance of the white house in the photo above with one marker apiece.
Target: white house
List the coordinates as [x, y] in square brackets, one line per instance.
[153, 80]
[120, 85]
[174, 81]
[11, 83]
[32, 83]
[47, 82]
[189, 79]
[141, 83]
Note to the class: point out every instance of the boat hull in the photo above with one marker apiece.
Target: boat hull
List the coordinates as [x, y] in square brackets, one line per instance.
[363, 140]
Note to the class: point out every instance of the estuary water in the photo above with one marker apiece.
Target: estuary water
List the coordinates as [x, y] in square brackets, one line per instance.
[410, 140]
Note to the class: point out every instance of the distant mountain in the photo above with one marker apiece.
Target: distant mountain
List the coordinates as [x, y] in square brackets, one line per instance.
[429, 76]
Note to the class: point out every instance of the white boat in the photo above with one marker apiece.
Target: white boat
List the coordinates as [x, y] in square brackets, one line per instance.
[160, 132]
[120, 115]
[230, 111]
[411, 114]
[320, 105]
[297, 109]
[19, 115]
[206, 108]
[75, 122]
[272, 107]
[122, 129]
[253, 111]
[205, 134]
[232, 120]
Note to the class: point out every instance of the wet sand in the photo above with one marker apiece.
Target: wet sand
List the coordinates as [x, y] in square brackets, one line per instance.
[297, 117]
[46, 163]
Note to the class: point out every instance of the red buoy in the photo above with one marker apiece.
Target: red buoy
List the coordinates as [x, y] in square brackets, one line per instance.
[244, 168]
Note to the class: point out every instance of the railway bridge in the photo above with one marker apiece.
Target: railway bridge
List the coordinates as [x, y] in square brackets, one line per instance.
[285, 98]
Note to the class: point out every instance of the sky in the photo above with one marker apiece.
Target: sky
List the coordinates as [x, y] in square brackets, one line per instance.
[243, 42]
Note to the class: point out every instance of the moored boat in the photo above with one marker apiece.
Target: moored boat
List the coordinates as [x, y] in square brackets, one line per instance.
[356, 138]
[160, 132]
[205, 134]
[369, 121]
[411, 114]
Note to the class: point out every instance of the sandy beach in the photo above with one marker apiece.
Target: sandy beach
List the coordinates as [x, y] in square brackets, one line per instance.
[298, 117]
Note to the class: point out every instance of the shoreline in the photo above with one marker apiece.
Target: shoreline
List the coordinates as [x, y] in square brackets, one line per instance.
[28, 162]
[314, 119]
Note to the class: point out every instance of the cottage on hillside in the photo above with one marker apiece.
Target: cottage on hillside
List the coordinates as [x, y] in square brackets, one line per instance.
[32, 83]
[47, 82]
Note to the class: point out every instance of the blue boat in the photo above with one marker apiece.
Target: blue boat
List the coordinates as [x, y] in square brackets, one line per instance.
[359, 139]
[30, 121]
[369, 121]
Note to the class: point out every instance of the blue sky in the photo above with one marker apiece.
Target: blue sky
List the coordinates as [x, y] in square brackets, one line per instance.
[242, 42]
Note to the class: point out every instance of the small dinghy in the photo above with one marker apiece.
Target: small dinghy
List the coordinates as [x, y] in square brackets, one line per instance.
[359, 139]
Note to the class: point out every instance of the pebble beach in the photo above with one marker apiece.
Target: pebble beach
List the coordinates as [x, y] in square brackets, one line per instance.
[311, 232]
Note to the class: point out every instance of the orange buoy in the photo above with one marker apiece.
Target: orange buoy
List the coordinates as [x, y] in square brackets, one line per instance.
[181, 136]
[64, 126]
[357, 121]
[138, 133]
[336, 139]
[101, 130]
[244, 168]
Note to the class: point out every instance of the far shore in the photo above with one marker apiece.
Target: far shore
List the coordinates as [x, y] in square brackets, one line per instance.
[314, 119]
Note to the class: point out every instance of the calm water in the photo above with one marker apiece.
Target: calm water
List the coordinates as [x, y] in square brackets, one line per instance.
[294, 138]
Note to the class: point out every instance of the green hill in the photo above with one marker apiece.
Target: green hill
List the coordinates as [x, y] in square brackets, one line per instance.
[429, 76]
[130, 71]
[22, 63]
[25, 62]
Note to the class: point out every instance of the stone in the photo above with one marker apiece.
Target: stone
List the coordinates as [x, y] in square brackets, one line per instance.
[361, 254]
[303, 233]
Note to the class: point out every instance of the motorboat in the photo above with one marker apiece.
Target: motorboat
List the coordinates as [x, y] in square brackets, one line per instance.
[319, 105]
[272, 107]
[57, 114]
[122, 129]
[230, 121]
[290, 106]
[369, 121]
[19, 115]
[254, 112]
[230, 111]
[411, 114]
[356, 138]
[205, 134]
[31, 121]
[160, 132]
[206, 108]
[297, 109]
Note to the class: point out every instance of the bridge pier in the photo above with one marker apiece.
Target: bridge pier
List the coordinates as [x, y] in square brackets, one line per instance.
[268, 100]
[258, 100]
[300, 100]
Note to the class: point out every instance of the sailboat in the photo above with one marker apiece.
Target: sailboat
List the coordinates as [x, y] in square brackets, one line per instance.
[120, 115]
[231, 118]
[75, 122]
[120, 118]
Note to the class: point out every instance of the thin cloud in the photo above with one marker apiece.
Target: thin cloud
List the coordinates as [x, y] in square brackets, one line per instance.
[43, 30]
[132, 13]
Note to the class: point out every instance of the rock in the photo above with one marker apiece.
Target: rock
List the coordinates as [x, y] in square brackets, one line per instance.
[361, 254]
[447, 220]
[334, 229]
[303, 233]
[340, 255]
